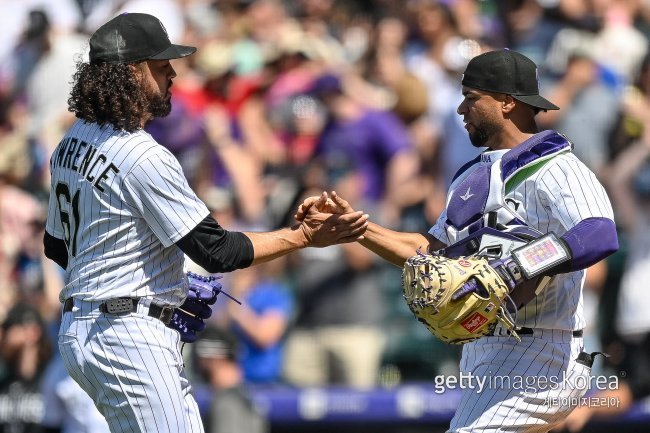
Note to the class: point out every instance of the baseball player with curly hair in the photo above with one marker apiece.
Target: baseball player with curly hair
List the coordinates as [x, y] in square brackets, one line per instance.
[121, 217]
[527, 181]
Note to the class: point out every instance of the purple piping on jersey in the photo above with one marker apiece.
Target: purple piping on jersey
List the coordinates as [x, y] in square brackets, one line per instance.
[466, 166]
[590, 241]
[541, 144]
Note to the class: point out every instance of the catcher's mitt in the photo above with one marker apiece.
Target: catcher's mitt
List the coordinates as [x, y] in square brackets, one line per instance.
[429, 282]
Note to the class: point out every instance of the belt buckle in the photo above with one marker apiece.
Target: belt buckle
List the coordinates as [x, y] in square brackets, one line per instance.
[117, 306]
[166, 314]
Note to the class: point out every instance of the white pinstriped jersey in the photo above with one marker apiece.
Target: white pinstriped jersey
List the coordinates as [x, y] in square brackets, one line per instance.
[553, 199]
[120, 201]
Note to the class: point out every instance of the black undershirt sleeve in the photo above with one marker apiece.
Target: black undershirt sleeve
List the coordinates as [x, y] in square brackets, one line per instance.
[56, 250]
[215, 249]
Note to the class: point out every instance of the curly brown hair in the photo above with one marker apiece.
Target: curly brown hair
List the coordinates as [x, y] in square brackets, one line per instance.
[109, 93]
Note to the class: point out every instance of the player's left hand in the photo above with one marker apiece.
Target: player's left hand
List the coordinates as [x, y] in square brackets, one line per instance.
[505, 267]
[508, 270]
[203, 289]
[189, 318]
[458, 300]
[471, 286]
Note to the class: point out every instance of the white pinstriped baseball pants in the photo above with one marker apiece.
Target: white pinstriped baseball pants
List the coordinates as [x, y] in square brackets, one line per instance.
[529, 386]
[132, 368]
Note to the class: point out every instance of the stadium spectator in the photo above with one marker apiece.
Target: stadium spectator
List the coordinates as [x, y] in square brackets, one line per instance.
[584, 97]
[66, 407]
[630, 188]
[25, 350]
[231, 408]
[337, 336]
[260, 322]
[372, 144]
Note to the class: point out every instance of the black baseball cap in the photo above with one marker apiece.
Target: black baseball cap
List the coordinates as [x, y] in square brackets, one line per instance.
[509, 72]
[133, 38]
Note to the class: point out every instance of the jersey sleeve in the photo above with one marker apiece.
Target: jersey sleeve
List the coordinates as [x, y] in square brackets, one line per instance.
[158, 189]
[438, 230]
[571, 193]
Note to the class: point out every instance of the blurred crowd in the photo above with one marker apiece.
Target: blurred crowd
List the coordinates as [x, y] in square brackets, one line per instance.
[286, 99]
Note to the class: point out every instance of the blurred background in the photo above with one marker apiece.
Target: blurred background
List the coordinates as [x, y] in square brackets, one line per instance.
[285, 99]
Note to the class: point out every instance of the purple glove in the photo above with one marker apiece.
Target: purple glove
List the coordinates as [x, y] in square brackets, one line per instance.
[203, 289]
[188, 319]
[198, 309]
[186, 324]
[509, 271]
[471, 286]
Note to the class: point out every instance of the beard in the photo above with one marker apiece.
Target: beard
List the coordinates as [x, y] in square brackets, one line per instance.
[159, 104]
[482, 134]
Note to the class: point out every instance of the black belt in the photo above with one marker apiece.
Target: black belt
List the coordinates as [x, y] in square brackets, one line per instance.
[531, 331]
[121, 306]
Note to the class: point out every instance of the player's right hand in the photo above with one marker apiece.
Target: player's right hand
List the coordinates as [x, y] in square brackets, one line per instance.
[325, 229]
[331, 203]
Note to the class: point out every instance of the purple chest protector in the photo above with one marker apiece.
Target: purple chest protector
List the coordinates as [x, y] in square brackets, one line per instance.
[478, 199]
[468, 202]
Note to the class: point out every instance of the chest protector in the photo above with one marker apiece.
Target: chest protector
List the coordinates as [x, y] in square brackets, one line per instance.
[478, 193]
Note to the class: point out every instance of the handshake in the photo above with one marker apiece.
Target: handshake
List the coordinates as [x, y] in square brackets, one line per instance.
[324, 220]
[328, 220]
[331, 203]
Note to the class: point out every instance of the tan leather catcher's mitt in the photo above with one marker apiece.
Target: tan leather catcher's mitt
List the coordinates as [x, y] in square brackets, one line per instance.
[429, 282]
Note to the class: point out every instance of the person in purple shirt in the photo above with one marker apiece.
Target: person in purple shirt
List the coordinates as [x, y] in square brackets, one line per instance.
[367, 155]
[371, 142]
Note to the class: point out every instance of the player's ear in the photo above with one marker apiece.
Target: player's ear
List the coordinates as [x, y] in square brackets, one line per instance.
[508, 104]
[138, 69]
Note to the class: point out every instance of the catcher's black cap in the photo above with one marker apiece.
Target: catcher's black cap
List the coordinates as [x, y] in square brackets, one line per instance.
[509, 72]
[133, 38]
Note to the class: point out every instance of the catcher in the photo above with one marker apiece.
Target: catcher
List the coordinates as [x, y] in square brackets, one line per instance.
[525, 182]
